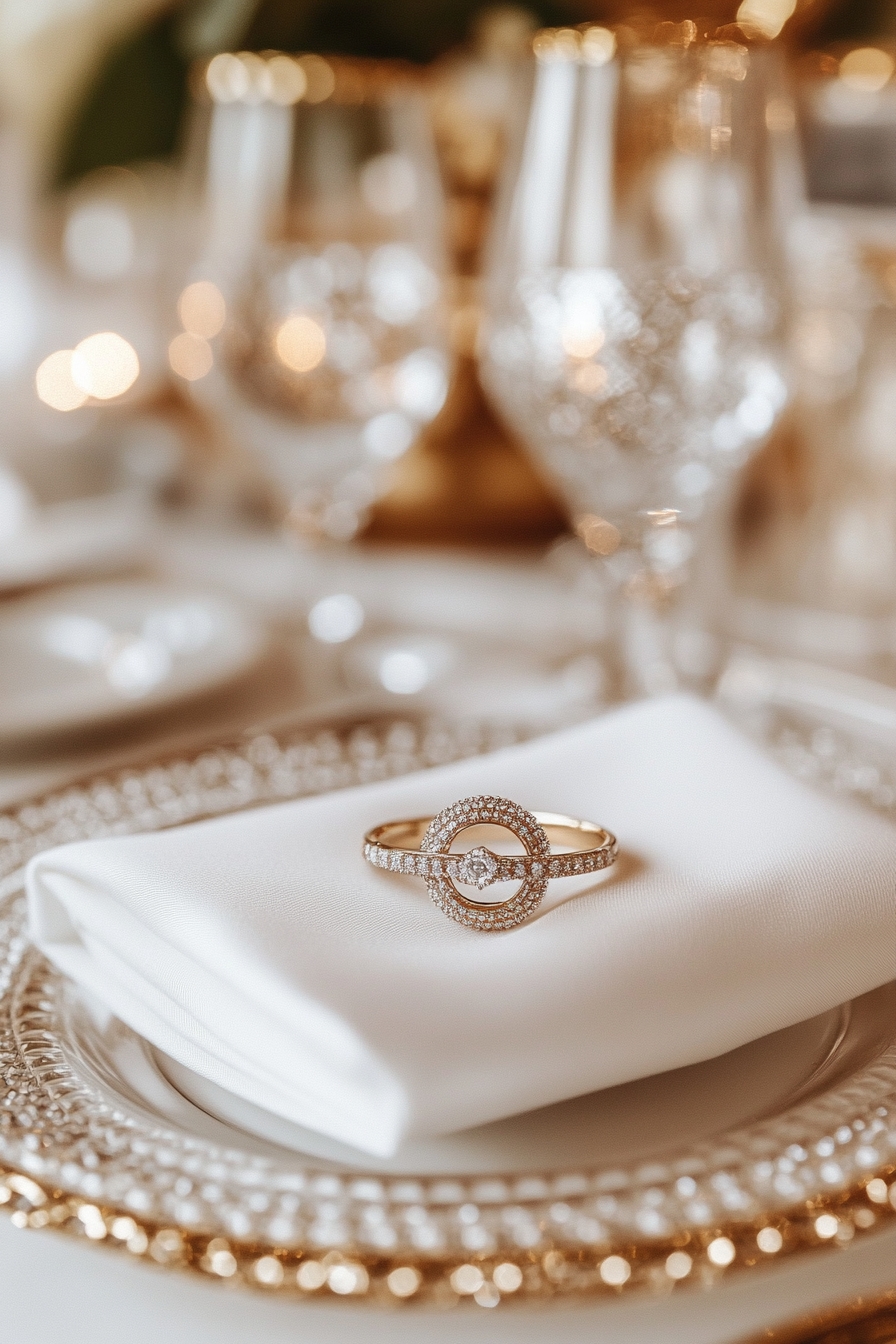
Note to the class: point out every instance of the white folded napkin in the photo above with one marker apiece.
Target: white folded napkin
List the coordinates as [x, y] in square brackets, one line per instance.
[261, 951]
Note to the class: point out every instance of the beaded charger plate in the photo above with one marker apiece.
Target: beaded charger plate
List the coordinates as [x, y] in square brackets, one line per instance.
[784, 1145]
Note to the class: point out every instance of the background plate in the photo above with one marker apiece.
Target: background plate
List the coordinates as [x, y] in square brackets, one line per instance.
[90, 654]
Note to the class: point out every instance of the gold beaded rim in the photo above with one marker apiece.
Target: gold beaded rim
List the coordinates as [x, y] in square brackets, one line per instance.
[692, 1258]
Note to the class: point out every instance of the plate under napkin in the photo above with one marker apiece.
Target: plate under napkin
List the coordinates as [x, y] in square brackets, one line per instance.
[261, 951]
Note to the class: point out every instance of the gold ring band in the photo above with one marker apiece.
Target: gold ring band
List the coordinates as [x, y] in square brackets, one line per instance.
[420, 847]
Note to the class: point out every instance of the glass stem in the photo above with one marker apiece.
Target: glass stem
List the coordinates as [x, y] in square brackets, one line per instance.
[672, 637]
[646, 644]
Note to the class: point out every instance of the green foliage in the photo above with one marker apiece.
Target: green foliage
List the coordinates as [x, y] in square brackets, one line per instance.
[405, 29]
[133, 110]
[857, 20]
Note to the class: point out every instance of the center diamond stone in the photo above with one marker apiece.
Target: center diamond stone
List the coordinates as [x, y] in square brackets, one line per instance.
[479, 868]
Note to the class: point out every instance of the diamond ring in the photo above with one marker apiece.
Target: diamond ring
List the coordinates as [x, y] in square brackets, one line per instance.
[422, 847]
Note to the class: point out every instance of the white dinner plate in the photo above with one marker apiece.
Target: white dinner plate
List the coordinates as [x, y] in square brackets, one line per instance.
[786, 1145]
[77, 538]
[91, 654]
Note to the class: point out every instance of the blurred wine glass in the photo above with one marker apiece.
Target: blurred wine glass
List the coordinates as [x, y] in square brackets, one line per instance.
[633, 337]
[311, 322]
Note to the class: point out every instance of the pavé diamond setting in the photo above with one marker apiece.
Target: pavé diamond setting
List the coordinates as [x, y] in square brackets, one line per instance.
[422, 848]
[483, 866]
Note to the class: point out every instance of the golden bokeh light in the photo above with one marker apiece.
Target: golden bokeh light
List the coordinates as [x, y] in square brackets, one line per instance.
[404, 1281]
[287, 81]
[567, 44]
[662, 517]
[766, 17]
[105, 365]
[190, 356]
[679, 1265]
[269, 1271]
[582, 343]
[867, 69]
[226, 78]
[55, 385]
[319, 77]
[599, 535]
[721, 1252]
[598, 45]
[876, 1190]
[507, 1277]
[257, 82]
[300, 343]
[311, 1275]
[589, 378]
[595, 45]
[467, 1280]
[246, 77]
[201, 309]
[615, 1271]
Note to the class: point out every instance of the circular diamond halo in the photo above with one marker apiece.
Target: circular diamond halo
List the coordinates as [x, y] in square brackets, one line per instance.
[480, 867]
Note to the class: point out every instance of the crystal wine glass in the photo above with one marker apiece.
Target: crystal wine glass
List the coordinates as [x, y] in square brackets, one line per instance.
[633, 337]
[312, 323]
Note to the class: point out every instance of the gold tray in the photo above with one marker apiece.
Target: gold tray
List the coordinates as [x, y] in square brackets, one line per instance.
[786, 1145]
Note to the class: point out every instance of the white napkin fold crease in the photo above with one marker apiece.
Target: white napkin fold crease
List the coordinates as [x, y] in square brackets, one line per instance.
[261, 951]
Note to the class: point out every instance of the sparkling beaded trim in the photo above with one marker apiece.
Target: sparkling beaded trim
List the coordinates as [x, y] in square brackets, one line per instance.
[78, 1153]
